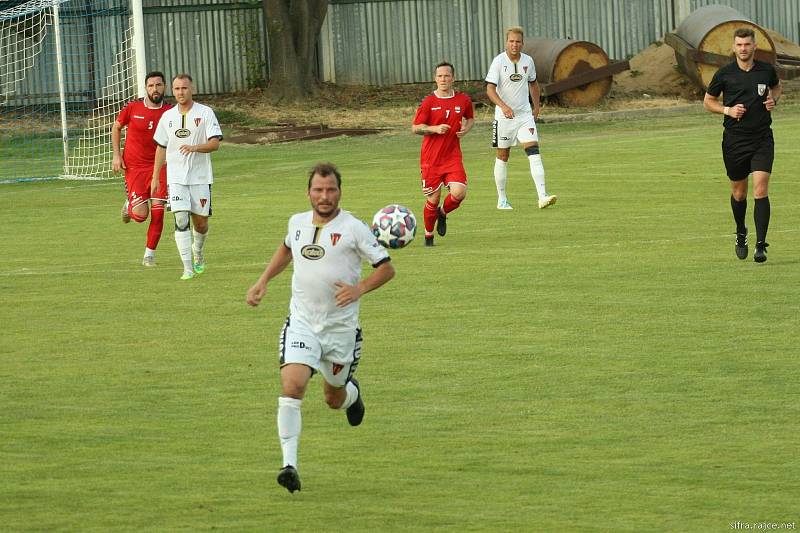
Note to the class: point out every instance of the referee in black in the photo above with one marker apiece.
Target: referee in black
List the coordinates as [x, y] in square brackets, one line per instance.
[750, 90]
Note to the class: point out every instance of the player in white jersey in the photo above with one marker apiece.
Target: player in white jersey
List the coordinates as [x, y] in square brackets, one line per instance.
[186, 135]
[510, 83]
[321, 333]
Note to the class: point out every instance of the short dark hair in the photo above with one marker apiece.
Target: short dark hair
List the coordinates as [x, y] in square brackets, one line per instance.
[445, 64]
[745, 32]
[155, 74]
[183, 77]
[325, 170]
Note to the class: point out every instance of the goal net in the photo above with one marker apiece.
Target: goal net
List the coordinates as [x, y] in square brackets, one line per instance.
[66, 69]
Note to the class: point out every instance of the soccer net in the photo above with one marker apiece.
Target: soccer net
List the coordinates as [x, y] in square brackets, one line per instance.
[66, 69]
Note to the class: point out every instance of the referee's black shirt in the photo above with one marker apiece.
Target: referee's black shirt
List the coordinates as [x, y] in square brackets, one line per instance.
[745, 87]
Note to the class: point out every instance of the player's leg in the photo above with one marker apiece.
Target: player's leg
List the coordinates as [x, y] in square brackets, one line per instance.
[431, 188]
[299, 353]
[528, 136]
[154, 230]
[181, 205]
[761, 165]
[137, 184]
[201, 210]
[737, 166]
[503, 138]
[342, 353]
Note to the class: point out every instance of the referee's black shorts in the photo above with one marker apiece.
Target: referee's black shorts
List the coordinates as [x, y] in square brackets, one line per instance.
[746, 153]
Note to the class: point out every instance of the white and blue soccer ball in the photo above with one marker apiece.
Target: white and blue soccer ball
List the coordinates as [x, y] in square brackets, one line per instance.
[394, 226]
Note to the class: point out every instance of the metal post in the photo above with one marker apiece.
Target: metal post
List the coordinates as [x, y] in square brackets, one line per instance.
[138, 46]
[61, 89]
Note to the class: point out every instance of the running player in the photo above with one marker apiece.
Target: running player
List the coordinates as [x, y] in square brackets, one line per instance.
[443, 117]
[186, 136]
[141, 117]
[322, 333]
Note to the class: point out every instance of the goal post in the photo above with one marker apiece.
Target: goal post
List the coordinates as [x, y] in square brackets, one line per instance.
[67, 67]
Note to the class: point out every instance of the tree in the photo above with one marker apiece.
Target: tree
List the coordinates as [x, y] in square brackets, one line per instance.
[292, 30]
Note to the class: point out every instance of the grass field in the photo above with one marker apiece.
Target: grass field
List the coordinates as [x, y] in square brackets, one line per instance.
[604, 365]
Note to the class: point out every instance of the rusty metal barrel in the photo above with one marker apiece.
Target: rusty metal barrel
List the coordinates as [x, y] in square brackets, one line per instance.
[560, 59]
[709, 30]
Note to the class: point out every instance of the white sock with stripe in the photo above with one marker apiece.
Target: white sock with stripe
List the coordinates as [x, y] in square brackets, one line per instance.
[289, 425]
[500, 178]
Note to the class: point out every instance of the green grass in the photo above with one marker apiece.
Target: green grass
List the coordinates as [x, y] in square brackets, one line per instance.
[604, 365]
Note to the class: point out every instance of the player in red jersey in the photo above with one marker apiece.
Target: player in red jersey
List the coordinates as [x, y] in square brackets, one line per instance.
[141, 118]
[443, 117]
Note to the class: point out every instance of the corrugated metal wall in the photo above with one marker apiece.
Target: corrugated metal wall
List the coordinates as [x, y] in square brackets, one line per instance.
[782, 16]
[620, 27]
[219, 42]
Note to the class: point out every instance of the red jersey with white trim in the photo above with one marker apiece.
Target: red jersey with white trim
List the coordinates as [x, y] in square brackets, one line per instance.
[141, 122]
[442, 153]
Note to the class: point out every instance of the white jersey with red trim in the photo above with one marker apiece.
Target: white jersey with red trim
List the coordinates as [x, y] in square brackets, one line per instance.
[512, 79]
[323, 255]
[175, 129]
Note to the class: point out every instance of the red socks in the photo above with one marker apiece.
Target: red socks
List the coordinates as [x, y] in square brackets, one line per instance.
[450, 204]
[156, 225]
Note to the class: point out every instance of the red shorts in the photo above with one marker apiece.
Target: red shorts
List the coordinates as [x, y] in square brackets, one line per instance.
[433, 181]
[137, 182]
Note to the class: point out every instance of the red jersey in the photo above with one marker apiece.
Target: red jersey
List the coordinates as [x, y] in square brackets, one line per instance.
[442, 153]
[141, 121]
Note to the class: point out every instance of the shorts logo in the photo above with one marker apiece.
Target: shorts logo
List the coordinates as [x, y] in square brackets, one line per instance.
[504, 138]
[300, 345]
[515, 77]
[532, 130]
[182, 133]
[312, 252]
[335, 238]
[337, 368]
[203, 202]
[762, 89]
[196, 122]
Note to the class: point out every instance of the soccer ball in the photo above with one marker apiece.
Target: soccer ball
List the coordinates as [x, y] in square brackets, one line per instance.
[394, 226]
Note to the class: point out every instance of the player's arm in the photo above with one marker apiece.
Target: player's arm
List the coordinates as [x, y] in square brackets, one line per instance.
[710, 103]
[491, 92]
[466, 125]
[277, 264]
[117, 162]
[211, 145]
[161, 156]
[536, 94]
[773, 96]
[424, 129]
[347, 294]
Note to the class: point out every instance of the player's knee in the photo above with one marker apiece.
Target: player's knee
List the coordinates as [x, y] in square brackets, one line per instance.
[182, 221]
[503, 155]
[532, 150]
[138, 216]
[335, 398]
[200, 224]
[458, 193]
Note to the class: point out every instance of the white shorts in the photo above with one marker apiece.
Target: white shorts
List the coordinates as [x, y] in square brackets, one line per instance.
[506, 132]
[193, 198]
[334, 354]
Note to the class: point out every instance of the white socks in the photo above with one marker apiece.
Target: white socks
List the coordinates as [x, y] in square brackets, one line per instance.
[199, 241]
[537, 172]
[500, 179]
[289, 425]
[184, 241]
[352, 395]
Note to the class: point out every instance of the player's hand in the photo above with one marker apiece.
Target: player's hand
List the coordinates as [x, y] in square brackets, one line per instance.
[255, 294]
[441, 129]
[186, 149]
[507, 111]
[154, 187]
[118, 164]
[770, 103]
[346, 294]
[737, 111]
[460, 133]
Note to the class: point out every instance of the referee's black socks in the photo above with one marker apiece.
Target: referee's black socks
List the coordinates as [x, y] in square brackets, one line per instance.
[739, 209]
[761, 216]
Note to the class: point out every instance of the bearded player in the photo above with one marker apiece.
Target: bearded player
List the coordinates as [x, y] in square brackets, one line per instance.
[141, 117]
[443, 117]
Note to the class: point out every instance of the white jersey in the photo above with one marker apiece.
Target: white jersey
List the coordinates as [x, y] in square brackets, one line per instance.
[323, 255]
[197, 126]
[512, 81]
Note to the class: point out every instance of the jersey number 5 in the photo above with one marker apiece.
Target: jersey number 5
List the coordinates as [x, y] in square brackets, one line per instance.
[150, 126]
